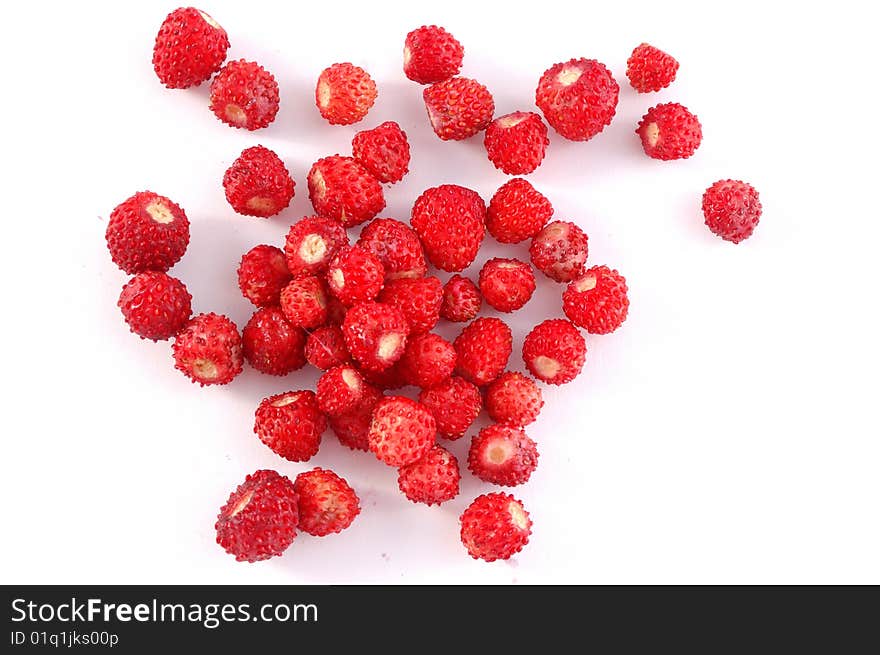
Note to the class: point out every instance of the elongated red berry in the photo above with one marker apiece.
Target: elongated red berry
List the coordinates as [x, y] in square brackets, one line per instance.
[554, 351]
[732, 209]
[514, 399]
[506, 284]
[483, 348]
[503, 454]
[190, 47]
[311, 243]
[304, 302]
[560, 251]
[458, 108]
[245, 95]
[355, 275]
[353, 428]
[262, 274]
[327, 503]
[433, 479]
[340, 188]
[156, 306]
[431, 54]
[461, 300]
[258, 183]
[597, 301]
[208, 350]
[495, 526]
[455, 404]
[325, 347]
[450, 221]
[578, 98]
[670, 131]
[260, 518]
[419, 299]
[650, 69]
[375, 334]
[291, 424]
[383, 151]
[401, 431]
[147, 232]
[428, 360]
[344, 93]
[516, 143]
[271, 344]
[397, 246]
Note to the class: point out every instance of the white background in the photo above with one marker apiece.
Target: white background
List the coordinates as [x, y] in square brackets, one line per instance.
[726, 434]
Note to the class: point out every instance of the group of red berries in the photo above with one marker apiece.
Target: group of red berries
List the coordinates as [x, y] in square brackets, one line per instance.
[363, 313]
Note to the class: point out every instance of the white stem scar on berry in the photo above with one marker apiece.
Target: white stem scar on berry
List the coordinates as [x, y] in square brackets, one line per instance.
[242, 503]
[547, 367]
[652, 134]
[338, 278]
[317, 180]
[286, 400]
[235, 114]
[210, 21]
[205, 369]
[312, 249]
[324, 94]
[568, 75]
[511, 120]
[586, 283]
[351, 379]
[389, 344]
[263, 205]
[518, 515]
[499, 452]
[159, 212]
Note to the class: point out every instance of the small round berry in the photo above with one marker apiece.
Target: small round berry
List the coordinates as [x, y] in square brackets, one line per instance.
[156, 306]
[670, 131]
[304, 302]
[483, 348]
[401, 431]
[514, 399]
[262, 274]
[450, 221]
[554, 351]
[419, 300]
[387, 379]
[272, 345]
[732, 209]
[597, 301]
[517, 212]
[208, 350]
[455, 404]
[375, 334]
[503, 454]
[506, 284]
[355, 275]
[516, 143]
[147, 232]
[340, 390]
[311, 243]
[353, 428]
[397, 246]
[495, 526]
[344, 93]
[327, 503]
[461, 300]
[650, 69]
[458, 108]
[325, 348]
[190, 47]
[291, 424]
[244, 94]
[560, 251]
[428, 360]
[433, 479]
[260, 518]
[431, 54]
[578, 98]
[258, 183]
[383, 151]
[340, 188]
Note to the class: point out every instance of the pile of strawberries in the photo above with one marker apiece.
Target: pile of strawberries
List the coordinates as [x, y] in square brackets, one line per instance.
[363, 312]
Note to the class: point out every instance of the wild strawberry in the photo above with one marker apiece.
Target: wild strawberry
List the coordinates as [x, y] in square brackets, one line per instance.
[458, 108]
[311, 243]
[514, 399]
[433, 479]
[344, 93]
[506, 284]
[208, 350]
[650, 69]
[327, 503]
[383, 151]
[325, 348]
[578, 98]
[262, 274]
[428, 360]
[190, 47]
[272, 345]
[401, 431]
[670, 131]
[597, 301]
[483, 348]
[517, 212]
[455, 404]
[375, 334]
[418, 299]
[352, 428]
[560, 251]
[291, 424]
[341, 188]
[244, 94]
[461, 300]
[387, 379]
[503, 454]
[431, 54]
[396, 246]
[495, 526]
[516, 143]
[732, 209]
[449, 220]
[340, 390]
[554, 351]
[258, 183]
[156, 306]
[304, 302]
[355, 275]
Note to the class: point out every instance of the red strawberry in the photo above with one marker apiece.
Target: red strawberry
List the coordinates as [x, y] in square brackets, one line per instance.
[732, 209]
[433, 479]
[483, 348]
[506, 284]
[304, 302]
[156, 306]
[431, 54]
[449, 220]
[559, 251]
[503, 455]
[341, 188]
[190, 47]
[516, 143]
[455, 405]
[396, 246]
[461, 300]
[458, 108]
[517, 212]
[271, 344]
[495, 526]
[650, 69]
[428, 360]
[327, 503]
[670, 131]
[383, 151]
[262, 274]
[514, 399]
[597, 301]
[244, 94]
[325, 348]
[355, 275]
[375, 334]
[418, 299]
[578, 98]
[386, 379]
[291, 424]
[401, 431]
[258, 183]
[311, 244]
[340, 390]
[344, 94]
[353, 428]
[208, 350]
[554, 351]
